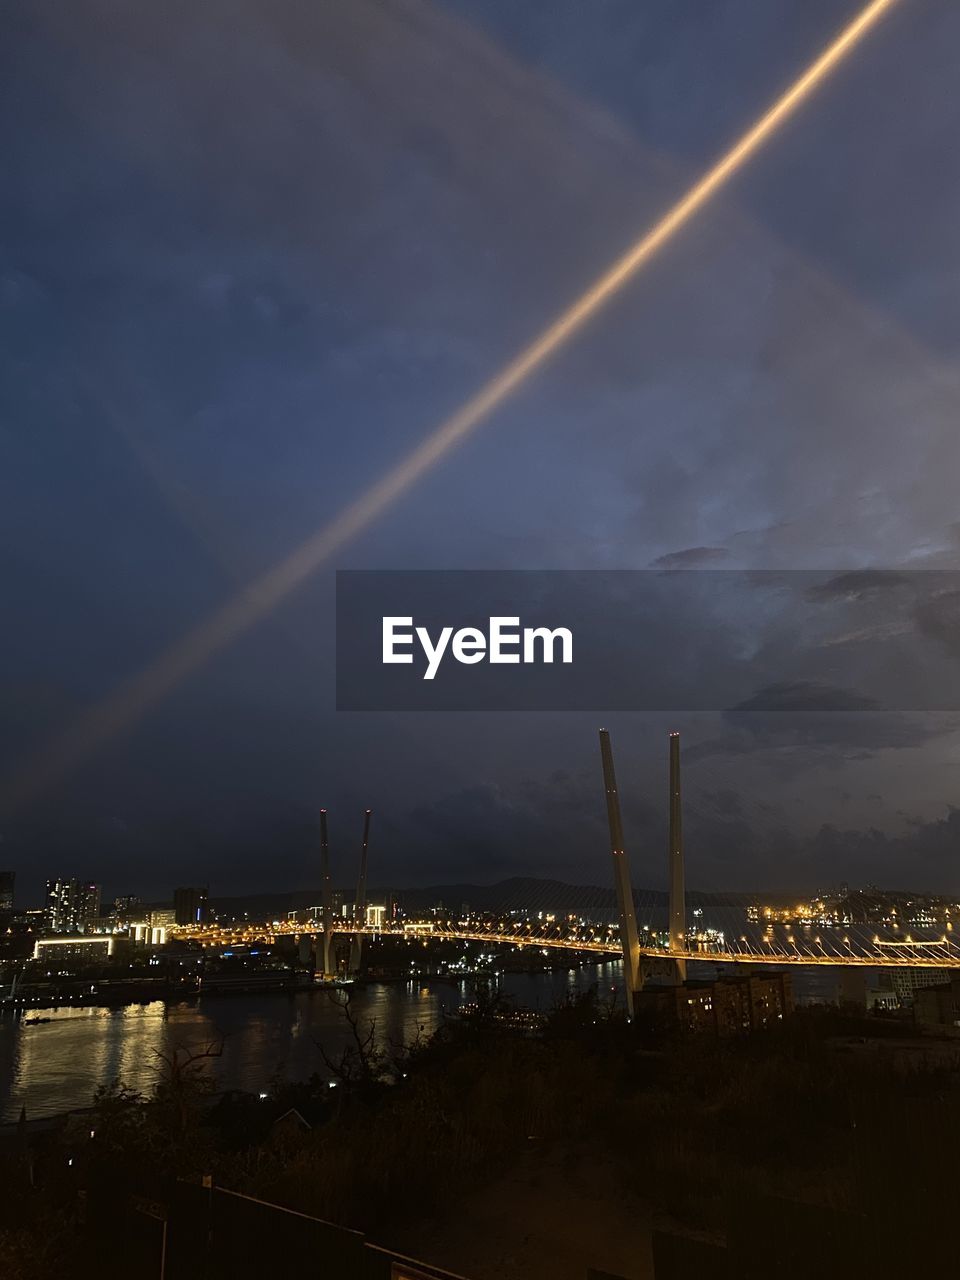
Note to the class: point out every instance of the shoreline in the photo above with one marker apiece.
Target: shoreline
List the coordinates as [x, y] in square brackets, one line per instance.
[132, 992]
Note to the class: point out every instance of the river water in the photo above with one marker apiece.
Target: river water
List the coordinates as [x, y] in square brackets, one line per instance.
[53, 1067]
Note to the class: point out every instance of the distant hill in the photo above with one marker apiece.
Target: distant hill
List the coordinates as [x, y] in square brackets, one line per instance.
[520, 893]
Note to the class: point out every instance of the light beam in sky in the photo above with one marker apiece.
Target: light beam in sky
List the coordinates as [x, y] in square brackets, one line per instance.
[135, 696]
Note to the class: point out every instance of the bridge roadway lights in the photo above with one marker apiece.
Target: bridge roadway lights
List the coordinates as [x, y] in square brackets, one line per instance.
[795, 960]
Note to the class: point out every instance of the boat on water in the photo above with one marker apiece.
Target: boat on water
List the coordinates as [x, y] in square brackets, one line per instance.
[517, 1019]
[332, 984]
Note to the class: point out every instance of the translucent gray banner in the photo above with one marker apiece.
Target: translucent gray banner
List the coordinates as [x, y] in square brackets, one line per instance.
[745, 642]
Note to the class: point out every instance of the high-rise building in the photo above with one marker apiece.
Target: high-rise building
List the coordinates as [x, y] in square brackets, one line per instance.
[190, 905]
[71, 906]
[6, 892]
[126, 908]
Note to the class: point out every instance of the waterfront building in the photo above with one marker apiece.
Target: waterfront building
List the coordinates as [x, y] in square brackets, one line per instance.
[906, 983]
[71, 906]
[729, 1006]
[7, 879]
[127, 908]
[84, 949]
[375, 915]
[190, 905]
[143, 933]
[939, 1006]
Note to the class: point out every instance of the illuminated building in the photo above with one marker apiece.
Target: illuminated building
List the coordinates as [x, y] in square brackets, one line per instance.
[126, 908]
[730, 1006]
[190, 905]
[146, 934]
[85, 949]
[71, 906]
[7, 879]
[375, 916]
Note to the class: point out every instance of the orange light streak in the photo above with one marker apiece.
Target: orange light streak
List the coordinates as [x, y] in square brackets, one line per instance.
[135, 696]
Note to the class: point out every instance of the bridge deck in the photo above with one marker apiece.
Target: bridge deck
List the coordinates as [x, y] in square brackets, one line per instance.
[907, 955]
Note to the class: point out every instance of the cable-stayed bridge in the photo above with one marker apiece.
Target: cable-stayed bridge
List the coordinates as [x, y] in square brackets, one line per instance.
[680, 929]
[929, 954]
[825, 949]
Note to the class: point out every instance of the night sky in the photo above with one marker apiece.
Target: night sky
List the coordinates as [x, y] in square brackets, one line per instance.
[252, 253]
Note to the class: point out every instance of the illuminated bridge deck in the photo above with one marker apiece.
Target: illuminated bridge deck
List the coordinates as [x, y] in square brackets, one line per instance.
[908, 954]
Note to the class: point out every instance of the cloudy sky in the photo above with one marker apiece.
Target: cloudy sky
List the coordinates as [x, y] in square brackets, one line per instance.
[252, 253]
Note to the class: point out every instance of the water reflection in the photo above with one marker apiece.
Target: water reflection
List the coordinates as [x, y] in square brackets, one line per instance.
[57, 1065]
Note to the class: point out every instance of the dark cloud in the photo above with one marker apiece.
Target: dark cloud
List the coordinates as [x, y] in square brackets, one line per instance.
[801, 696]
[690, 558]
[856, 586]
[817, 720]
[546, 826]
[922, 859]
[939, 617]
[726, 802]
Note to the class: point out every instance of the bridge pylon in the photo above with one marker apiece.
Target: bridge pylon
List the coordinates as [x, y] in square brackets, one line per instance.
[326, 955]
[633, 976]
[360, 906]
[678, 900]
